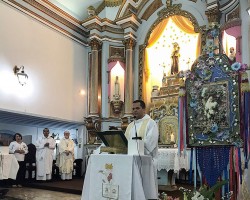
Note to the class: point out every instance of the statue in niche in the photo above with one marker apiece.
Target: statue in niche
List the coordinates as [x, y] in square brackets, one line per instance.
[231, 55]
[117, 95]
[175, 58]
[116, 103]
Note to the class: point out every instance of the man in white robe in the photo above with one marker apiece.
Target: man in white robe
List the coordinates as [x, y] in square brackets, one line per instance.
[44, 156]
[66, 156]
[147, 129]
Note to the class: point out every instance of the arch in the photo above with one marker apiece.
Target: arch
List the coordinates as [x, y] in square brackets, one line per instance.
[162, 15]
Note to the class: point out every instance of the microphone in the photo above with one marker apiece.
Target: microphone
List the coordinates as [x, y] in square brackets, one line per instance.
[136, 136]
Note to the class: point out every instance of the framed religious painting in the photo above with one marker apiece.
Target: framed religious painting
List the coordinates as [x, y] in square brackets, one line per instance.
[213, 102]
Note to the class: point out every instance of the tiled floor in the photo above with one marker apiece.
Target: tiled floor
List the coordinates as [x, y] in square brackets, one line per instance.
[26, 193]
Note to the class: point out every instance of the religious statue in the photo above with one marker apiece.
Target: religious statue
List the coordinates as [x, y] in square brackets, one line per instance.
[175, 58]
[116, 103]
[231, 55]
[117, 89]
[164, 80]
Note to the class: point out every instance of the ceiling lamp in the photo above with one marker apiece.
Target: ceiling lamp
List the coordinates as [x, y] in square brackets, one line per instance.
[21, 75]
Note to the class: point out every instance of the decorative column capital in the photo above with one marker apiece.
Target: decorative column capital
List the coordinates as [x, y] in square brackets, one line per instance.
[129, 43]
[213, 15]
[95, 44]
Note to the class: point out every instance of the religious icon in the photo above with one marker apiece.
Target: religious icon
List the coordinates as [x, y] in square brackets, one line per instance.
[231, 55]
[175, 58]
[117, 89]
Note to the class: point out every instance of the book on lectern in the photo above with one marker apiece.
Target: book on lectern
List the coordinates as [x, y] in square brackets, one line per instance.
[115, 140]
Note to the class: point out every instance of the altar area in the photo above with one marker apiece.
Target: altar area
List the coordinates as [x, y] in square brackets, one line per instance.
[123, 177]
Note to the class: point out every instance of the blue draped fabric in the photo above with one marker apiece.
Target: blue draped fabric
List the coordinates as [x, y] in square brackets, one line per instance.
[246, 126]
[212, 161]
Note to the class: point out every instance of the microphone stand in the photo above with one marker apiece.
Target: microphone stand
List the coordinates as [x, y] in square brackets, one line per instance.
[136, 136]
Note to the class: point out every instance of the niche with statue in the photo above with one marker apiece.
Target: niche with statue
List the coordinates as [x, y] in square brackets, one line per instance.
[116, 85]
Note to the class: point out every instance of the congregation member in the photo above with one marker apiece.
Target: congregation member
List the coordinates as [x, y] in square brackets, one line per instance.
[44, 156]
[146, 128]
[19, 149]
[66, 156]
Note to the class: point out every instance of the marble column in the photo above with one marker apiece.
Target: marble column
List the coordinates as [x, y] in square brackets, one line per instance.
[129, 97]
[93, 92]
[245, 28]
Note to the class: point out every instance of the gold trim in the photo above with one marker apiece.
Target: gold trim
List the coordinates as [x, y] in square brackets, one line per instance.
[46, 22]
[56, 17]
[116, 53]
[95, 35]
[107, 3]
[230, 24]
[61, 11]
[155, 5]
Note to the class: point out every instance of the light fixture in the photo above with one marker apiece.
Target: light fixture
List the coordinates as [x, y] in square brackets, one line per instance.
[248, 11]
[21, 75]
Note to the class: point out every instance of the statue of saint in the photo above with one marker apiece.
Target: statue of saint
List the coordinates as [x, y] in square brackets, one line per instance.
[117, 89]
[164, 80]
[175, 58]
[231, 55]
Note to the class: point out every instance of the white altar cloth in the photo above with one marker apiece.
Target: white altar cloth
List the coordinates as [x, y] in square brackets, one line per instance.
[169, 159]
[8, 166]
[123, 177]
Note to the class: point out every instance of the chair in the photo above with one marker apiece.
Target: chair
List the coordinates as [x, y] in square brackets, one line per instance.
[30, 161]
[77, 171]
[55, 171]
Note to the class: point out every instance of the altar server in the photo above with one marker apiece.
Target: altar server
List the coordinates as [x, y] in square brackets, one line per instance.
[44, 156]
[66, 156]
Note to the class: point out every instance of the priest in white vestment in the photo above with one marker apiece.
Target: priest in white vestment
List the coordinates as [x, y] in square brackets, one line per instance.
[66, 156]
[146, 128]
[44, 156]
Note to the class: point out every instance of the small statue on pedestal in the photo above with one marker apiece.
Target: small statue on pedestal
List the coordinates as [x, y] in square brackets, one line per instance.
[116, 103]
[175, 58]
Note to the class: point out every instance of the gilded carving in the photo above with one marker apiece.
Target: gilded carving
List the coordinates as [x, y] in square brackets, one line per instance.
[93, 125]
[213, 15]
[129, 43]
[155, 5]
[125, 122]
[176, 10]
[95, 44]
[230, 24]
[233, 15]
[116, 54]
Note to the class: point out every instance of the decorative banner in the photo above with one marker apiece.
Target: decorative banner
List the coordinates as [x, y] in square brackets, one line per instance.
[213, 102]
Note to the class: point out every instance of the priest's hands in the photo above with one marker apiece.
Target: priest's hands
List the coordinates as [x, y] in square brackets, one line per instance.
[46, 144]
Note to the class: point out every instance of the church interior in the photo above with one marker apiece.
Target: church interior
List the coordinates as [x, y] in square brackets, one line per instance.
[78, 65]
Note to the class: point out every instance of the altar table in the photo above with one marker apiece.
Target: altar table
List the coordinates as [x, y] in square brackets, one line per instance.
[116, 176]
[8, 166]
[169, 159]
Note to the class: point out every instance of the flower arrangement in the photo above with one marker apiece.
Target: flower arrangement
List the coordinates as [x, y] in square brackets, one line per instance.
[205, 193]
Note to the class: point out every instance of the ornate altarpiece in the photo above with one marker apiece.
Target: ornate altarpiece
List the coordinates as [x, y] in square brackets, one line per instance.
[164, 107]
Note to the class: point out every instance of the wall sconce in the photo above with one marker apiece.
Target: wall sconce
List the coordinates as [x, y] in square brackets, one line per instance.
[21, 75]
[248, 11]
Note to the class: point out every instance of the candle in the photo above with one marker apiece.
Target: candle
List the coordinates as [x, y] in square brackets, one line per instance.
[172, 139]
